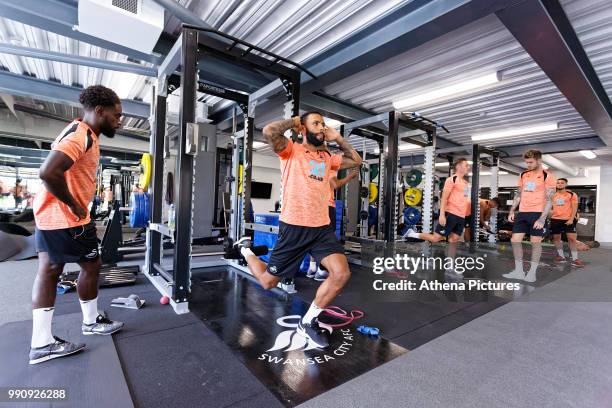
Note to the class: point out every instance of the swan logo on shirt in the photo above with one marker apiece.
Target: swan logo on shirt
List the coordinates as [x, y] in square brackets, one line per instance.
[291, 342]
[317, 170]
[530, 186]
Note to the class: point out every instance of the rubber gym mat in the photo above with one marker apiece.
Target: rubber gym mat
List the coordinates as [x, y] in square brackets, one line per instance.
[265, 340]
[188, 366]
[86, 376]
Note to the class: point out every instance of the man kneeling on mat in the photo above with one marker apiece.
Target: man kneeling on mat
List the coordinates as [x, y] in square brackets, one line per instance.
[65, 232]
[304, 220]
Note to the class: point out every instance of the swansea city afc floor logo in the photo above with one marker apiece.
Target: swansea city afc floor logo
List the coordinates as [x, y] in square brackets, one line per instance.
[290, 341]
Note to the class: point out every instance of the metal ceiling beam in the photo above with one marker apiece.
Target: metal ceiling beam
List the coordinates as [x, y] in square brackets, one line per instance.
[545, 32]
[62, 18]
[183, 14]
[22, 85]
[406, 28]
[49, 115]
[77, 59]
[554, 162]
[561, 146]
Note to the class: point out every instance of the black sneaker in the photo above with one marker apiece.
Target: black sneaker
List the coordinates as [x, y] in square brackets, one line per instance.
[314, 333]
[232, 251]
[103, 326]
[57, 349]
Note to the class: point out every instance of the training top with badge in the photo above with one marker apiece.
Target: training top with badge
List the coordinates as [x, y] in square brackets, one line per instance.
[459, 192]
[562, 204]
[305, 182]
[533, 185]
[80, 143]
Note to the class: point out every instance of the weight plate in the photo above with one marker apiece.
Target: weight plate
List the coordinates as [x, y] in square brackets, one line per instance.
[241, 172]
[145, 171]
[372, 215]
[413, 196]
[140, 213]
[363, 215]
[373, 171]
[373, 192]
[413, 177]
[411, 216]
[147, 214]
[364, 192]
[133, 210]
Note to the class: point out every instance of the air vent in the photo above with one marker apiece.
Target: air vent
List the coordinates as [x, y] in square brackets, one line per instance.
[127, 5]
[136, 24]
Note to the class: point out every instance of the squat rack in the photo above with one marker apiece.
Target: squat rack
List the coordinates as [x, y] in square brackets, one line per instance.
[193, 45]
[387, 136]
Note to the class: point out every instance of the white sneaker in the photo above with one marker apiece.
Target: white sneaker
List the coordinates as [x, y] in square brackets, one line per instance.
[530, 277]
[411, 234]
[514, 275]
[311, 272]
[321, 275]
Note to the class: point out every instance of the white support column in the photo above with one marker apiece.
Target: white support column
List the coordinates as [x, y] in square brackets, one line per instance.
[603, 221]
[494, 192]
[429, 168]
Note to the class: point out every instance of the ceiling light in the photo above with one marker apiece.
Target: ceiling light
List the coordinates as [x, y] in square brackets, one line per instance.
[589, 154]
[519, 131]
[442, 93]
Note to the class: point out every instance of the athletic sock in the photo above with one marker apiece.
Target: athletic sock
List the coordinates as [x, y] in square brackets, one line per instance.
[246, 252]
[560, 252]
[574, 254]
[534, 267]
[518, 266]
[90, 310]
[41, 326]
[313, 312]
[313, 266]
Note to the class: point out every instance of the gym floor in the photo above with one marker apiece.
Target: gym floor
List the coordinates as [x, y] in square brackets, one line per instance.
[454, 350]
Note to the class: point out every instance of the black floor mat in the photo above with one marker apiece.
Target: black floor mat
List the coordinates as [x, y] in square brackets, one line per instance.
[260, 328]
[93, 377]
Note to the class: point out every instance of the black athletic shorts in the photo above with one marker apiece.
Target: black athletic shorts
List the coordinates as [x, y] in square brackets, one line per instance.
[560, 226]
[70, 244]
[523, 224]
[454, 223]
[294, 241]
[468, 221]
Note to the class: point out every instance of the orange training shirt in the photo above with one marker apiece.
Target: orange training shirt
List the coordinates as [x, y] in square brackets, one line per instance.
[332, 201]
[533, 187]
[459, 195]
[305, 184]
[562, 205]
[80, 143]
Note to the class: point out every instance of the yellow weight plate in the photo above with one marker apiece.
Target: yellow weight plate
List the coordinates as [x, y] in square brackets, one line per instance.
[145, 171]
[373, 192]
[240, 172]
[413, 196]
